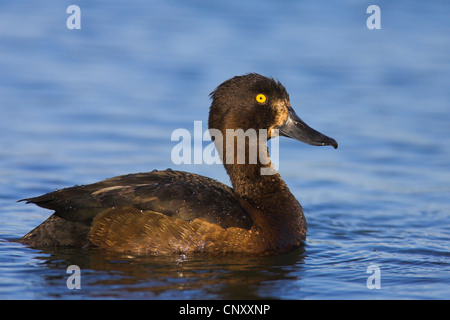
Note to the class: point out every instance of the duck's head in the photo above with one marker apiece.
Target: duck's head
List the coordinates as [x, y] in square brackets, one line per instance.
[256, 102]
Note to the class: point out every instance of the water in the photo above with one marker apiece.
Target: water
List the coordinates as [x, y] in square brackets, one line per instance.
[78, 106]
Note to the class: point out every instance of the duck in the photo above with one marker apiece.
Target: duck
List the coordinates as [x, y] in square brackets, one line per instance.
[177, 212]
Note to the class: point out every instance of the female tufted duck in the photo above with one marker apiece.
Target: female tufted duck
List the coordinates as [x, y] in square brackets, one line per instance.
[162, 212]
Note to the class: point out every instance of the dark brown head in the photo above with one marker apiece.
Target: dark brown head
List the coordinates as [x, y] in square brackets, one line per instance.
[256, 102]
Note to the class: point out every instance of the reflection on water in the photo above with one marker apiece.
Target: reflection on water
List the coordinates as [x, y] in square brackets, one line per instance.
[108, 275]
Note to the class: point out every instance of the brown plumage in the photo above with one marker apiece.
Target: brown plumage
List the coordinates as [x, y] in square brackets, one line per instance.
[162, 212]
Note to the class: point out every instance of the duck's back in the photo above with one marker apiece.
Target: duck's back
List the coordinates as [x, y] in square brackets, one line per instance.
[175, 194]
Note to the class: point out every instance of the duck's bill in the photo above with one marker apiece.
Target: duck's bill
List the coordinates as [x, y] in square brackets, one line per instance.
[295, 128]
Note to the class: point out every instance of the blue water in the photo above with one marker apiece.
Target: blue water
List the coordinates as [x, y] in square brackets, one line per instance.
[79, 106]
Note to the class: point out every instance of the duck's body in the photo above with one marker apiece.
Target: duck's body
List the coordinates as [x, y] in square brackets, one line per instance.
[168, 211]
[163, 212]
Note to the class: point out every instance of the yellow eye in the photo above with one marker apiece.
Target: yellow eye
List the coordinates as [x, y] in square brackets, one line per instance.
[260, 98]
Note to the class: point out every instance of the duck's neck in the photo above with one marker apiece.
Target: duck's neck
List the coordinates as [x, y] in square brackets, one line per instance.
[250, 169]
[249, 183]
[266, 197]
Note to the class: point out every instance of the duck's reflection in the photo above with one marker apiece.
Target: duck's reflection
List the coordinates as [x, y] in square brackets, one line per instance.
[111, 275]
